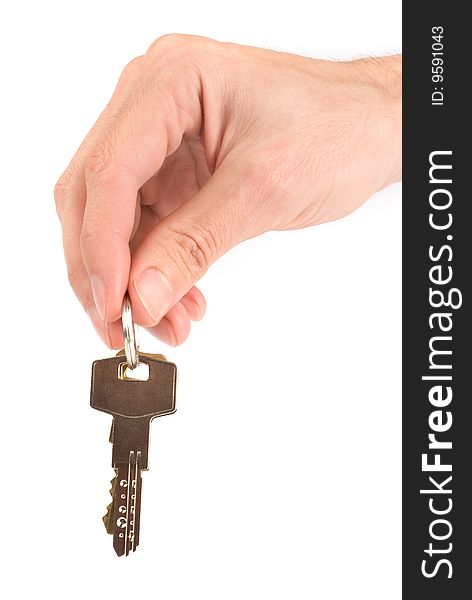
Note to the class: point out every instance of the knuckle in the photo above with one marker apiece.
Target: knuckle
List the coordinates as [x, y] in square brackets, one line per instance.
[133, 66]
[98, 233]
[62, 185]
[61, 190]
[176, 44]
[99, 161]
[195, 248]
[166, 42]
[131, 70]
[87, 237]
[93, 230]
[90, 235]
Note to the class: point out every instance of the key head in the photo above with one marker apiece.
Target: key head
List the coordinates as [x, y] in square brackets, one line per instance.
[125, 397]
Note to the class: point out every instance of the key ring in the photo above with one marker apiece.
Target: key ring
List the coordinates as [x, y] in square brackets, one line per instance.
[130, 334]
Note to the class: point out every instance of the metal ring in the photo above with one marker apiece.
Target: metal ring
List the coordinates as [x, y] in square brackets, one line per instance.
[130, 334]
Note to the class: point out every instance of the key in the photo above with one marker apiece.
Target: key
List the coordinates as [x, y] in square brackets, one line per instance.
[133, 404]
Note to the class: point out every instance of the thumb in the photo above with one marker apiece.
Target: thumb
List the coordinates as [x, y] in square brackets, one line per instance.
[178, 251]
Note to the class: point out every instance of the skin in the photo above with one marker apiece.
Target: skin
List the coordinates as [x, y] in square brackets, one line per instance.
[206, 144]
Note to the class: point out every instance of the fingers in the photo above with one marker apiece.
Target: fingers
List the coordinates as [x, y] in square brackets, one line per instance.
[71, 217]
[128, 153]
[195, 304]
[179, 249]
[173, 329]
[97, 196]
[70, 196]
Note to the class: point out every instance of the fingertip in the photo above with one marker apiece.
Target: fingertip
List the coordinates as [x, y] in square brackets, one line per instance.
[163, 331]
[195, 304]
[174, 328]
[115, 333]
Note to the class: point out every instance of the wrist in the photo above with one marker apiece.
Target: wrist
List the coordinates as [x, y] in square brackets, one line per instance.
[383, 77]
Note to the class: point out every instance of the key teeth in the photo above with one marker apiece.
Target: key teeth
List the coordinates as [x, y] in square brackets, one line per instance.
[108, 517]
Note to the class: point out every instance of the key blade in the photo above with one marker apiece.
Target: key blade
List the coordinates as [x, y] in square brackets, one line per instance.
[127, 506]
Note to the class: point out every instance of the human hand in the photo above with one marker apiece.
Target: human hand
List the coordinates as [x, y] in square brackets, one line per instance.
[204, 145]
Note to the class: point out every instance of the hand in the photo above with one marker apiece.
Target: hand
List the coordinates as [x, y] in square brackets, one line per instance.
[204, 145]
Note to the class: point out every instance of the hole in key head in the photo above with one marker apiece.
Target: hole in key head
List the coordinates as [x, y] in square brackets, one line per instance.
[140, 373]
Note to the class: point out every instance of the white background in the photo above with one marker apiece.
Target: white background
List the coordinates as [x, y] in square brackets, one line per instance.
[279, 475]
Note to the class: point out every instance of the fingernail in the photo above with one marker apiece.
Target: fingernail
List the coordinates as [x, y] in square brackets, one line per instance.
[155, 293]
[99, 295]
[100, 326]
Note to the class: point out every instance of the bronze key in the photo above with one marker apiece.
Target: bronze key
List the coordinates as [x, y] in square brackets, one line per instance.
[133, 404]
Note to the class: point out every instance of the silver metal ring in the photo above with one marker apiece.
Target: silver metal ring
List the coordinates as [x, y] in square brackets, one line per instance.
[130, 334]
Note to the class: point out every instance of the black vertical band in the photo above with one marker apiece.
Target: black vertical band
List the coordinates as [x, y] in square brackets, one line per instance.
[437, 330]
